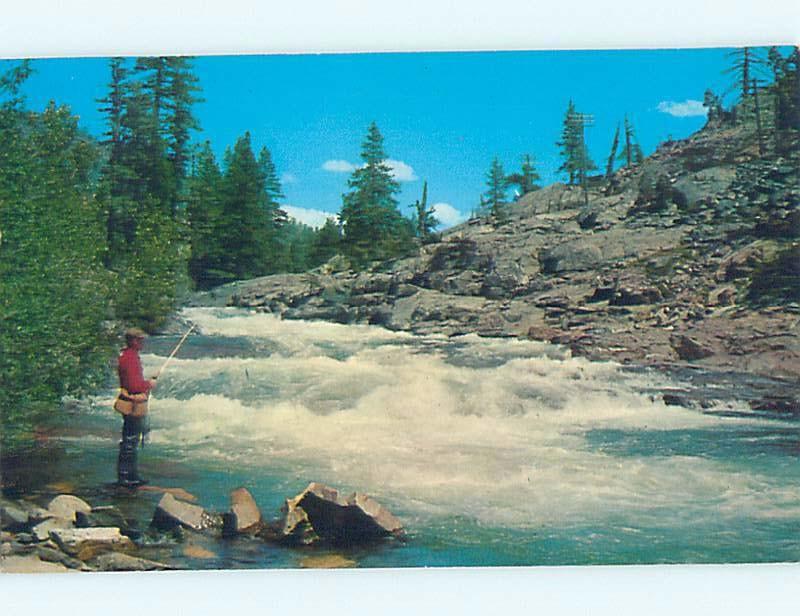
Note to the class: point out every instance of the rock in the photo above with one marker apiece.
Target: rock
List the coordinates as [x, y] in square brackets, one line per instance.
[6, 549]
[576, 255]
[101, 516]
[117, 561]
[245, 516]
[75, 541]
[29, 564]
[587, 218]
[689, 349]
[195, 551]
[355, 519]
[171, 512]
[12, 517]
[43, 529]
[635, 295]
[52, 555]
[724, 296]
[327, 561]
[65, 506]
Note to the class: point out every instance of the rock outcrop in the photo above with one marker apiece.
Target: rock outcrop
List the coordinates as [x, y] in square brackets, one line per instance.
[626, 279]
[320, 513]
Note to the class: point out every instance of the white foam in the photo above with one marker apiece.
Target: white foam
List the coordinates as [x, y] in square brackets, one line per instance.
[506, 444]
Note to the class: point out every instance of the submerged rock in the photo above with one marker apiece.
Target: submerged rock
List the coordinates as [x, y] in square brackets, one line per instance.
[332, 518]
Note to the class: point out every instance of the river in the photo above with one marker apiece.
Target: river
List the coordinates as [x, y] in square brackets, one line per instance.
[491, 451]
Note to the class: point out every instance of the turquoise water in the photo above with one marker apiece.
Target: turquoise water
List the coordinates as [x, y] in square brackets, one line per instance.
[492, 452]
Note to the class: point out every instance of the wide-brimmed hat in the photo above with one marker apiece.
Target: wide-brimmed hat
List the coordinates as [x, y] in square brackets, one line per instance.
[134, 332]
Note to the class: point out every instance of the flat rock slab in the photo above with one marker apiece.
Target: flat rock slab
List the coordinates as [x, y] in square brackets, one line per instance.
[355, 519]
[66, 506]
[42, 530]
[76, 540]
[171, 512]
[30, 564]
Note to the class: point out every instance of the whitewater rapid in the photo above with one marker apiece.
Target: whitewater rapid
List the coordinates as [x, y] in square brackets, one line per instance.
[496, 430]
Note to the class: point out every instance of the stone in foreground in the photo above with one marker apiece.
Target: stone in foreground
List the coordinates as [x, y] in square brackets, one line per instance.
[116, 561]
[77, 540]
[245, 516]
[172, 512]
[65, 506]
[356, 519]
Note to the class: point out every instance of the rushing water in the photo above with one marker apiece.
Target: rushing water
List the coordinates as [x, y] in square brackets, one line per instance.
[491, 451]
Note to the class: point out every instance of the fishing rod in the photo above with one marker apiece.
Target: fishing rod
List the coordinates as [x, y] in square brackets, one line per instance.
[174, 351]
[146, 430]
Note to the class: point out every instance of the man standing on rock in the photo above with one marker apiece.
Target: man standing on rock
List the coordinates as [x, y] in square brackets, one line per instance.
[132, 404]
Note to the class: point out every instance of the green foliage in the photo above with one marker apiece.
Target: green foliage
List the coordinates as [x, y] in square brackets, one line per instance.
[577, 162]
[326, 244]
[527, 177]
[494, 199]
[424, 218]
[613, 156]
[374, 229]
[53, 288]
[631, 152]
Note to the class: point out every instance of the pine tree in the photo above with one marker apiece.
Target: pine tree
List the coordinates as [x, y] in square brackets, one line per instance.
[278, 242]
[246, 228]
[374, 229]
[612, 157]
[570, 143]
[180, 92]
[527, 177]
[204, 213]
[632, 152]
[495, 196]
[326, 243]
[745, 64]
[424, 219]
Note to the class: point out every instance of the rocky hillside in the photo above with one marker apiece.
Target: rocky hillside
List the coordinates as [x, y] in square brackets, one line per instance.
[690, 257]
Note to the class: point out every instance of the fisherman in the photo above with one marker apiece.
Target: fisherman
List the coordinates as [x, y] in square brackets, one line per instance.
[132, 403]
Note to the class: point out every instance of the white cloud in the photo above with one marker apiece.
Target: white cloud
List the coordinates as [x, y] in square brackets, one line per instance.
[308, 216]
[402, 172]
[686, 109]
[288, 178]
[338, 166]
[448, 215]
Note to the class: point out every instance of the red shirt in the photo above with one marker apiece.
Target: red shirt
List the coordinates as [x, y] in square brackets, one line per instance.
[131, 376]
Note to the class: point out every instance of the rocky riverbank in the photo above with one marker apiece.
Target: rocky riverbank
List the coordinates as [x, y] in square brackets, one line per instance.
[690, 259]
[69, 534]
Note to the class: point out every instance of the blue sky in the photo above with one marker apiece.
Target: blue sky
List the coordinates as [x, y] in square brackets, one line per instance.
[444, 116]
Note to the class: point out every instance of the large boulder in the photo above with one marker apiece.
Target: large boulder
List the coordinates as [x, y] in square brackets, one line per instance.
[171, 512]
[65, 506]
[333, 518]
[574, 255]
